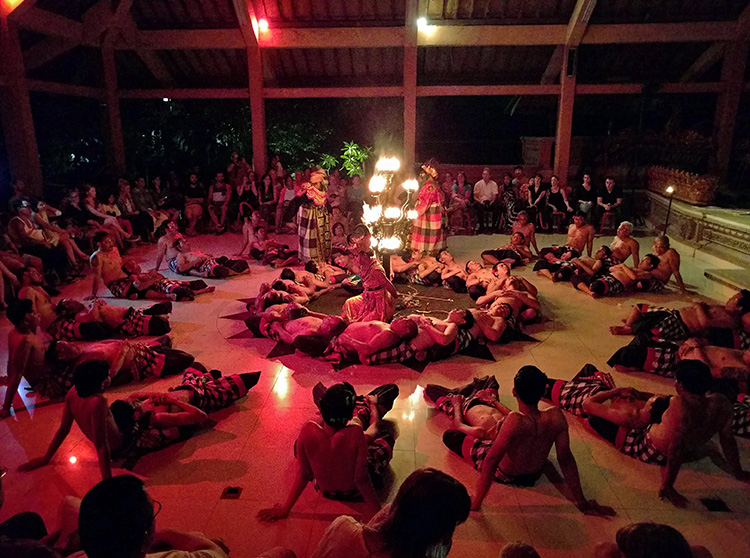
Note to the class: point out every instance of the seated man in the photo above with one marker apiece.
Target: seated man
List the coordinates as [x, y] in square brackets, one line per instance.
[479, 277]
[669, 264]
[107, 264]
[86, 405]
[113, 320]
[342, 454]
[150, 421]
[271, 252]
[624, 245]
[198, 264]
[621, 278]
[587, 269]
[515, 253]
[154, 285]
[453, 275]
[520, 450]
[580, 236]
[128, 361]
[475, 408]
[25, 351]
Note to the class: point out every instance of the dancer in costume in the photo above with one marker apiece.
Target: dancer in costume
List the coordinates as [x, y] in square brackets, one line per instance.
[428, 233]
[312, 220]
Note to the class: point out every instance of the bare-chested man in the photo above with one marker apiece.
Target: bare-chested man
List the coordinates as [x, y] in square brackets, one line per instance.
[31, 289]
[25, 351]
[153, 285]
[580, 236]
[86, 405]
[521, 448]
[107, 265]
[165, 245]
[366, 338]
[309, 282]
[624, 245]
[340, 453]
[269, 251]
[511, 302]
[528, 230]
[690, 421]
[478, 279]
[198, 264]
[417, 268]
[515, 253]
[621, 278]
[723, 362]
[296, 321]
[124, 321]
[669, 265]
[452, 274]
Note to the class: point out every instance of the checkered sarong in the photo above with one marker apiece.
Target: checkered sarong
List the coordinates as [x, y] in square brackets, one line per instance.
[56, 385]
[147, 363]
[655, 285]
[134, 324]
[336, 353]
[120, 287]
[172, 264]
[469, 392]
[570, 395]
[211, 394]
[660, 324]
[653, 357]
[314, 233]
[638, 444]
[560, 251]
[399, 353]
[208, 266]
[167, 286]
[611, 285]
[65, 329]
[427, 234]
[741, 416]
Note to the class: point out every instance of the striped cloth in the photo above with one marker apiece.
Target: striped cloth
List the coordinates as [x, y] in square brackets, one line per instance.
[134, 324]
[427, 233]
[638, 444]
[211, 394]
[314, 233]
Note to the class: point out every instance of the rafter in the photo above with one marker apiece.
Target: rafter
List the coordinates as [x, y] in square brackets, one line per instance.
[46, 50]
[579, 21]
[554, 66]
[704, 62]
[129, 33]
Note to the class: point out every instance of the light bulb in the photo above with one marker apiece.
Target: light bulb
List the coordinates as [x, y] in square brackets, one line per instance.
[670, 190]
[411, 185]
[377, 183]
[371, 214]
[412, 214]
[390, 243]
[392, 213]
[387, 164]
[263, 25]
[73, 459]
[422, 23]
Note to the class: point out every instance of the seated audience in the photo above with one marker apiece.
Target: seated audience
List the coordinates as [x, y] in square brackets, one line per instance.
[419, 523]
[56, 236]
[343, 453]
[557, 202]
[586, 198]
[609, 200]
[195, 197]
[485, 193]
[537, 200]
[142, 222]
[286, 209]
[217, 203]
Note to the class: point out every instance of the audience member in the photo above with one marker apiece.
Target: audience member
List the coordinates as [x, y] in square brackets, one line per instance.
[485, 197]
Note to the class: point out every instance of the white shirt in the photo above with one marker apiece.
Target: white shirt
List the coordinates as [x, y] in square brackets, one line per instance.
[344, 539]
[485, 191]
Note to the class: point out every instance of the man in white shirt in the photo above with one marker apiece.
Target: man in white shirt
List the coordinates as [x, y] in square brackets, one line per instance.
[486, 198]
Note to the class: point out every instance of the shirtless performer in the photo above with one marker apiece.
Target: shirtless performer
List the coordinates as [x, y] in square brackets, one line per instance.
[723, 363]
[521, 448]
[323, 271]
[453, 275]
[154, 285]
[474, 408]
[128, 361]
[342, 453]
[296, 321]
[165, 245]
[309, 282]
[269, 251]
[479, 277]
[624, 245]
[621, 278]
[363, 339]
[690, 421]
[580, 236]
[128, 322]
[588, 269]
[528, 230]
[86, 405]
[511, 304]
[25, 351]
[198, 264]
[107, 265]
[669, 265]
[31, 289]
[515, 253]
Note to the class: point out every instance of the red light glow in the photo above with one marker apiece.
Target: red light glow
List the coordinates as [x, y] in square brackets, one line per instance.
[263, 25]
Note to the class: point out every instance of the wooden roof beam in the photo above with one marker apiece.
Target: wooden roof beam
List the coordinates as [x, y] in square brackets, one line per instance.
[129, 33]
[47, 23]
[65, 89]
[660, 32]
[46, 50]
[579, 22]
[705, 61]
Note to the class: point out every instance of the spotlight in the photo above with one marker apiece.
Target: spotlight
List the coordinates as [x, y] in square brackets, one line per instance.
[263, 25]
[73, 459]
[387, 164]
[412, 214]
[392, 213]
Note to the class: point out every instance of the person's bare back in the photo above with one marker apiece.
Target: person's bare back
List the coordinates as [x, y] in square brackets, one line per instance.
[532, 438]
[88, 412]
[690, 422]
[332, 456]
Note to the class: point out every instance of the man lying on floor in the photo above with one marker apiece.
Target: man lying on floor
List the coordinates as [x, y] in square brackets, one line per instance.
[346, 452]
[520, 451]
[621, 278]
[75, 320]
[198, 264]
[157, 420]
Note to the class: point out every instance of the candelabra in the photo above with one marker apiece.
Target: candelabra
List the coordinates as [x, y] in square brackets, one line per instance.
[390, 217]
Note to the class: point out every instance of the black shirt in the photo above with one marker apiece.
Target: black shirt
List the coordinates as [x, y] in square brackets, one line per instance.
[582, 194]
[610, 198]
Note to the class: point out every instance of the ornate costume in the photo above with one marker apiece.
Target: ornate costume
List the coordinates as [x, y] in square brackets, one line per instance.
[428, 233]
[312, 220]
[376, 302]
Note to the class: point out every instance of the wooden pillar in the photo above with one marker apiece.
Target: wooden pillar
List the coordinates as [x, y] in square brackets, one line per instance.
[732, 76]
[410, 84]
[257, 108]
[15, 108]
[115, 144]
[565, 117]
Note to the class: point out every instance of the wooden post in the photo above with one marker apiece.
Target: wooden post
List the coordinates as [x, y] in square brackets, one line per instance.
[410, 84]
[565, 119]
[15, 108]
[115, 144]
[257, 108]
[732, 75]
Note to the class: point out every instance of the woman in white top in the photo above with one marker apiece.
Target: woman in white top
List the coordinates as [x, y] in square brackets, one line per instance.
[419, 524]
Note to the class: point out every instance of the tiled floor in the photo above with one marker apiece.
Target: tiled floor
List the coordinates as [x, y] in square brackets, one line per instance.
[251, 444]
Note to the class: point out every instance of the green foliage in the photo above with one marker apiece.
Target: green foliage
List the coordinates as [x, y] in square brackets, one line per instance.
[354, 157]
[328, 162]
[296, 140]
